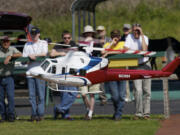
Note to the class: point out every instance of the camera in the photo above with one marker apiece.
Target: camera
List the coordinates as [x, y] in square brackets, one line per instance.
[138, 31]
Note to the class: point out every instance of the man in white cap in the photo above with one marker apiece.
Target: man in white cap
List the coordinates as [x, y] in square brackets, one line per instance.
[103, 39]
[89, 35]
[6, 79]
[101, 35]
[142, 87]
[126, 31]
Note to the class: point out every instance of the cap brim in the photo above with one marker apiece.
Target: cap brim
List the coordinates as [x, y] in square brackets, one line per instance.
[126, 28]
[34, 33]
[5, 39]
[100, 29]
[89, 32]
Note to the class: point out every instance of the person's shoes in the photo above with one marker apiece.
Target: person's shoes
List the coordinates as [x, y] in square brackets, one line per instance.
[86, 115]
[103, 102]
[116, 118]
[68, 118]
[136, 118]
[40, 118]
[127, 100]
[2, 120]
[88, 118]
[146, 117]
[56, 113]
[11, 119]
[33, 119]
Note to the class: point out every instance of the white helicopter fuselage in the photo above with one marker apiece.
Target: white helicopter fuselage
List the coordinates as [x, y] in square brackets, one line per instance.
[68, 70]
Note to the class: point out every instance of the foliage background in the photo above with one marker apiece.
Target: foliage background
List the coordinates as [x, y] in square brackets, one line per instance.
[159, 18]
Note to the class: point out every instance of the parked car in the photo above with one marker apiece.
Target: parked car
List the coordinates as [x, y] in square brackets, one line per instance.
[16, 26]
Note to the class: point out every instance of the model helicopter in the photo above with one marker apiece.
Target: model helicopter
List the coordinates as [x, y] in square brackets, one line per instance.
[80, 69]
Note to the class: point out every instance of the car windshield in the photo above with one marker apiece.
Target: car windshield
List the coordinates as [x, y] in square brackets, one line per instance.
[45, 65]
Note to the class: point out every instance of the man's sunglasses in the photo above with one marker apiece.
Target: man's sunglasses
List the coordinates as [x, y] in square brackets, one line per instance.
[136, 25]
[115, 36]
[66, 37]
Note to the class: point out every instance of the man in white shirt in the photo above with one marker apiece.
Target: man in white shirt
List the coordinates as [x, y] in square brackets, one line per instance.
[36, 86]
[138, 41]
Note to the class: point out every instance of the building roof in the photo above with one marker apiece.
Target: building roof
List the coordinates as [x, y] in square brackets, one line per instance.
[87, 5]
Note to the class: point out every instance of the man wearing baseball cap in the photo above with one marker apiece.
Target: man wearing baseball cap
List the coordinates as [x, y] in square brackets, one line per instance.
[126, 31]
[6, 79]
[142, 87]
[101, 35]
[36, 86]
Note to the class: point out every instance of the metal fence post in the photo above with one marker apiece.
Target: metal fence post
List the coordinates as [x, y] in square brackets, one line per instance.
[166, 98]
[128, 93]
[73, 25]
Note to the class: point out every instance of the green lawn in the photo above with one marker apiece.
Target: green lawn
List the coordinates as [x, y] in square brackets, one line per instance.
[100, 125]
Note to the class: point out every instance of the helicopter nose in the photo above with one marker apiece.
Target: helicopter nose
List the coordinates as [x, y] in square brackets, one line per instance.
[35, 71]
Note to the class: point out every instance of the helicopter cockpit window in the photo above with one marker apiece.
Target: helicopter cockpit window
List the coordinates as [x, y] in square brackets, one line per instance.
[63, 70]
[50, 69]
[82, 72]
[54, 61]
[45, 65]
[53, 69]
[82, 60]
[72, 71]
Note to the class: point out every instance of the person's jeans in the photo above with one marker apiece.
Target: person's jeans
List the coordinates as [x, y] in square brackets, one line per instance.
[36, 96]
[118, 92]
[7, 87]
[66, 100]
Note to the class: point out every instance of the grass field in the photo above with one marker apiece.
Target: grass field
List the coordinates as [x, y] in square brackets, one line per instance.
[100, 125]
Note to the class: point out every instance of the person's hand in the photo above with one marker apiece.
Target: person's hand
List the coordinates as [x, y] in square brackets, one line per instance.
[32, 57]
[115, 40]
[8, 58]
[105, 54]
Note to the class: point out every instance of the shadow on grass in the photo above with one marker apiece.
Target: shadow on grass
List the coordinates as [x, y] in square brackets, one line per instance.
[95, 117]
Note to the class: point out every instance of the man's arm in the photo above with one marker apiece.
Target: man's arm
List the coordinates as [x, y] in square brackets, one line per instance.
[9, 57]
[54, 53]
[144, 44]
[41, 54]
[16, 55]
[25, 51]
[125, 48]
[110, 52]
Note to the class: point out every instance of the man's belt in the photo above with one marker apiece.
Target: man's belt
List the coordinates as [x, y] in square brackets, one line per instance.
[5, 76]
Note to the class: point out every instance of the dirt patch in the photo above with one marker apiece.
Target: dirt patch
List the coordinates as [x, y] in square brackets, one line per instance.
[170, 126]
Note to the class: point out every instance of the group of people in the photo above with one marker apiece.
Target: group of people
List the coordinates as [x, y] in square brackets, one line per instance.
[133, 38]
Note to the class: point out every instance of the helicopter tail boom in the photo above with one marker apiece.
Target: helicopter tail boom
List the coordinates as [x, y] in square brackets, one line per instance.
[171, 67]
